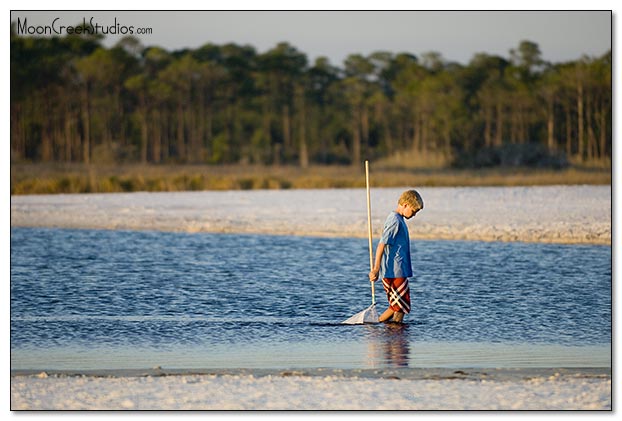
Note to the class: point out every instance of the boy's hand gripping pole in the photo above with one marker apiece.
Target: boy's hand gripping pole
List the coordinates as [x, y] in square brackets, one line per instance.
[371, 257]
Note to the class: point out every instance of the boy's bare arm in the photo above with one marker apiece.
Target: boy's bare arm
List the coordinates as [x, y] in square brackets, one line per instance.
[373, 274]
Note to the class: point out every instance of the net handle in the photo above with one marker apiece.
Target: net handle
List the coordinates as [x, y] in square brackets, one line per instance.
[371, 256]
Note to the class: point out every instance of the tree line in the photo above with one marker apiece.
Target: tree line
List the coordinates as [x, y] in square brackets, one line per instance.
[73, 100]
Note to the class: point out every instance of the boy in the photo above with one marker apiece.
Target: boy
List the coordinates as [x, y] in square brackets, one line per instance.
[393, 257]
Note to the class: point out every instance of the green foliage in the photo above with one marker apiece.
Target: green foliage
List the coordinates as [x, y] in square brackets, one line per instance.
[220, 149]
[72, 100]
[517, 156]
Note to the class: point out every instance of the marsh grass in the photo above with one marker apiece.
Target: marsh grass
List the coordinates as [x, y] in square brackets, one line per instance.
[76, 178]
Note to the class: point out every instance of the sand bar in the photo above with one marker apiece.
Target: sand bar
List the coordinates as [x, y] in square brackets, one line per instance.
[550, 214]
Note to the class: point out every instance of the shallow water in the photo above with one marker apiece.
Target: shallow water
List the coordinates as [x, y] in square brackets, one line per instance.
[91, 299]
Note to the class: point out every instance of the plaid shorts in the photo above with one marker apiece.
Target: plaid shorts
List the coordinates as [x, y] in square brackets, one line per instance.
[398, 293]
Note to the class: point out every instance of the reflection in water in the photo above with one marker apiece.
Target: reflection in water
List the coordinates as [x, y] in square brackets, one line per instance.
[388, 345]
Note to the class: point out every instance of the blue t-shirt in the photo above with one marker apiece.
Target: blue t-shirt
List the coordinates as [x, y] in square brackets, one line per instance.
[395, 261]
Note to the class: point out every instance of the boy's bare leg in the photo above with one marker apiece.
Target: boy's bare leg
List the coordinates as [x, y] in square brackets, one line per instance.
[386, 315]
[398, 316]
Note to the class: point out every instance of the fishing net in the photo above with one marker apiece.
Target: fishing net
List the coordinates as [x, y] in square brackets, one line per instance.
[369, 315]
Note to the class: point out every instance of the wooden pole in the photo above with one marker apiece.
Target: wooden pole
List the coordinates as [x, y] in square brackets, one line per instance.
[371, 256]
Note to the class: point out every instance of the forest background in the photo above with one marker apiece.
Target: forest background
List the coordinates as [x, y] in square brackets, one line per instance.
[85, 118]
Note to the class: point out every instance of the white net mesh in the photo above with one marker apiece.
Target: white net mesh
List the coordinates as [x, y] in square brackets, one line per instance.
[369, 315]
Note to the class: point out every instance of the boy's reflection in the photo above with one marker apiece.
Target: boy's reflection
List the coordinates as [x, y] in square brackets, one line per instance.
[389, 345]
[396, 347]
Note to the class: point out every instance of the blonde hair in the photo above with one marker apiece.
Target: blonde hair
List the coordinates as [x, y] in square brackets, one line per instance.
[412, 198]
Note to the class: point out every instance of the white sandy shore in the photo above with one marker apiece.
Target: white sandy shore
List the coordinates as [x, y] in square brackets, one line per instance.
[554, 214]
[246, 392]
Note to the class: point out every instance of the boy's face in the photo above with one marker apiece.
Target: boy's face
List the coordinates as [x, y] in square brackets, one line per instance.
[408, 211]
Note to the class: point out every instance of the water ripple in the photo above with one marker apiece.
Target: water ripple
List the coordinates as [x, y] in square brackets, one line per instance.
[154, 289]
